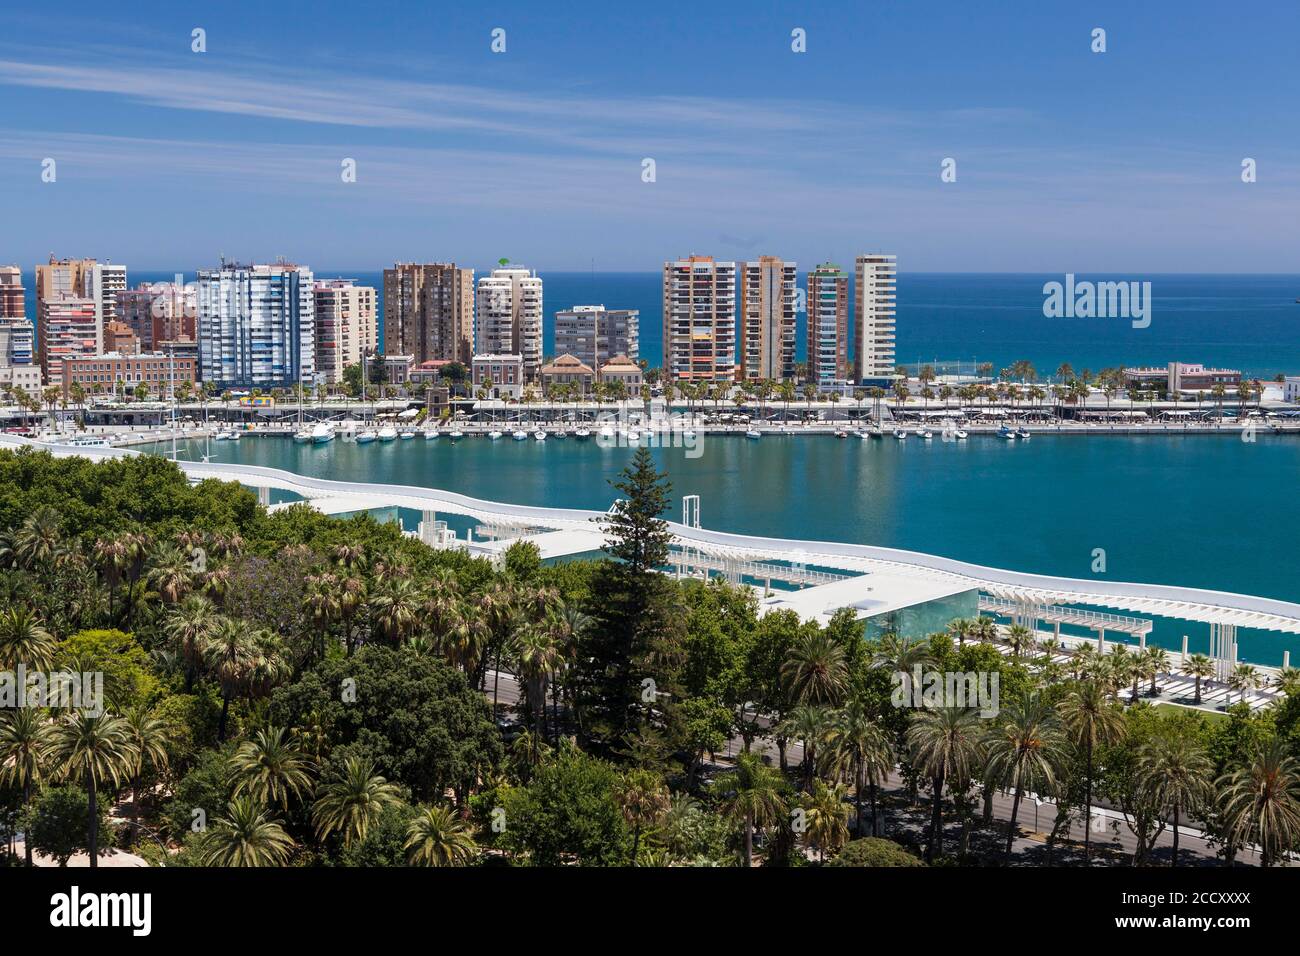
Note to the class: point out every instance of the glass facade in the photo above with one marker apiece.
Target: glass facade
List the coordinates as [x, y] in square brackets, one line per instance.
[928, 617]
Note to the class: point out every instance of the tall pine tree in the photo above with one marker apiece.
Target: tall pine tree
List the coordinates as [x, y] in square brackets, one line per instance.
[631, 603]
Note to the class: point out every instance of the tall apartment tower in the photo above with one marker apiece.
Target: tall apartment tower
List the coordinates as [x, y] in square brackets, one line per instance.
[876, 294]
[159, 313]
[828, 324]
[75, 299]
[18, 366]
[700, 320]
[346, 328]
[594, 335]
[257, 326]
[429, 311]
[508, 317]
[767, 325]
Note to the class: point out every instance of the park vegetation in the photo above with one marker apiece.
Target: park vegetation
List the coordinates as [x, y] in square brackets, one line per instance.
[291, 689]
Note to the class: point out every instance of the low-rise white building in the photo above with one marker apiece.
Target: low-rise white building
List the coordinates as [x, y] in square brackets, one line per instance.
[501, 375]
[1291, 388]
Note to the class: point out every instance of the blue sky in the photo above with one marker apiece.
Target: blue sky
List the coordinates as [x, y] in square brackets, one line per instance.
[1067, 160]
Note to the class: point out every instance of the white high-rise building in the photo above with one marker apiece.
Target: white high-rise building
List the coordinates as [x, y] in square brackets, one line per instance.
[876, 295]
[103, 281]
[257, 326]
[508, 317]
[700, 320]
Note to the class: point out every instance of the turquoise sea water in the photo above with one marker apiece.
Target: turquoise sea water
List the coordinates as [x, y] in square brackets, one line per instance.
[1205, 511]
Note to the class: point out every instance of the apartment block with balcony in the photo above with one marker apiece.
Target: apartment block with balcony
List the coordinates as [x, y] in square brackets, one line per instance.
[828, 325]
[594, 334]
[700, 320]
[18, 365]
[429, 311]
[876, 276]
[346, 326]
[508, 317]
[257, 326]
[767, 319]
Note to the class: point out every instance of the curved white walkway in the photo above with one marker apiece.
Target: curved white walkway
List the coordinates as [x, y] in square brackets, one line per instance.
[1033, 590]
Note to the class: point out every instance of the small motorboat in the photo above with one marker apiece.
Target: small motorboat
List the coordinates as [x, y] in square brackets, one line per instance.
[582, 434]
[606, 432]
[494, 435]
[1006, 433]
[456, 433]
[406, 434]
[864, 435]
[927, 434]
[366, 437]
[539, 435]
[388, 433]
[753, 433]
[1022, 433]
[900, 434]
[302, 437]
[960, 434]
[633, 436]
[920, 433]
[430, 434]
[841, 433]
[561, 434]
[877, 431]
[322, 433]
[520, 436]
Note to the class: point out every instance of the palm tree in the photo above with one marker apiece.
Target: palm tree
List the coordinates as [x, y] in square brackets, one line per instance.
[169, 572]
[24, 641]
[1201, 667]
[643, 800]
[97, 750]
[247, 665]
[858, 744]
[24, 748]
[395, 607]
[945, 745]
[1244, 677]
[810, 723]
[1260, 801]
[961, 628]
[247, 836]
[1288, 680]
[826, 818]
[1175, 775]
[537, 654]
[754, 797]
[1024, 750]
[352, 800]
[38, 541]
[1020, 638]
[985, 629]
[814, 669]
[901, 654]
[150, 736]
[436, 837]
[1157, 663]
[270, 768]
[188, 628]
[1090, 720]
